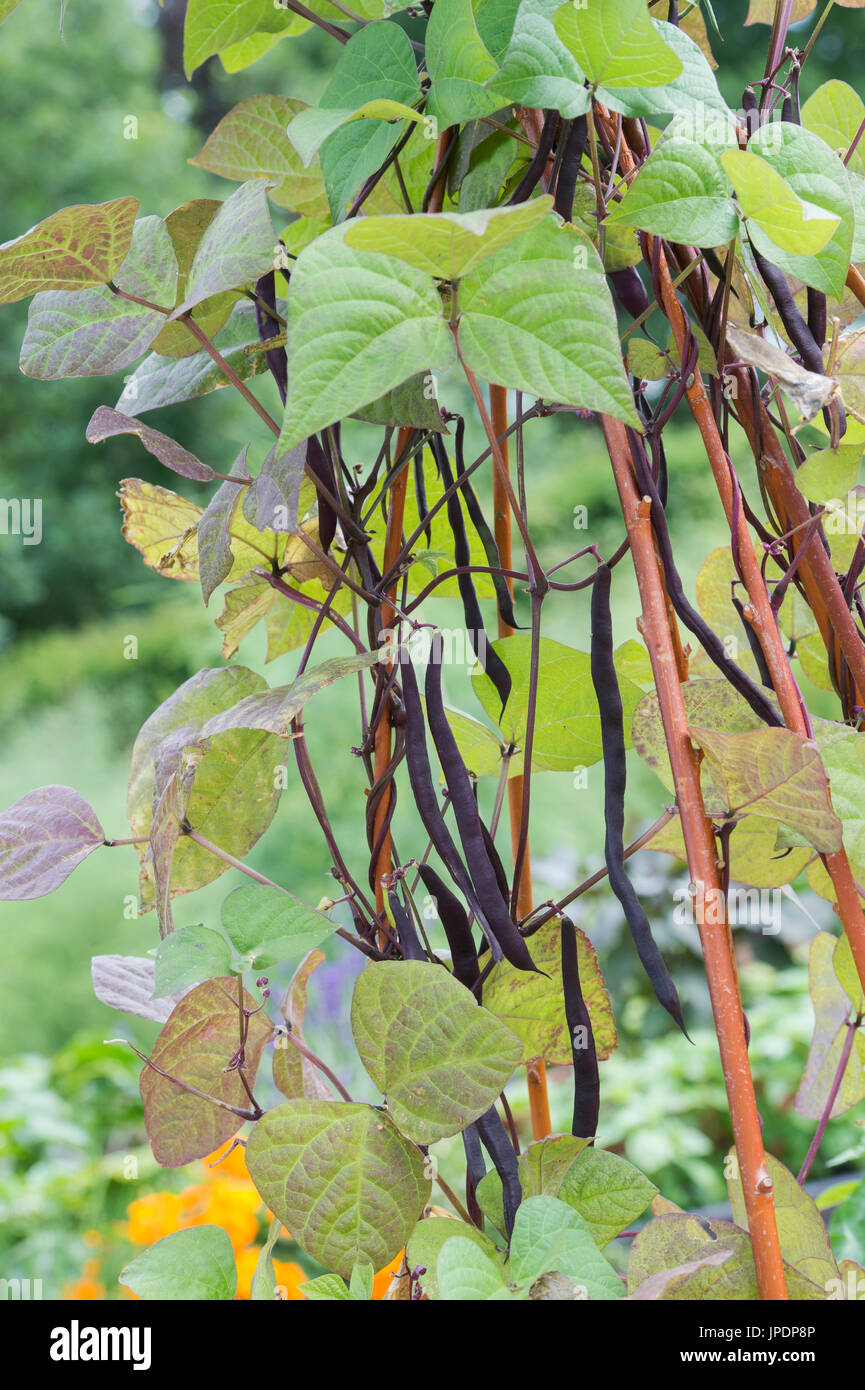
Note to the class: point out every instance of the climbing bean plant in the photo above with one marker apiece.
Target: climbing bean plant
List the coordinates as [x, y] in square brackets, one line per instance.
[531, 208]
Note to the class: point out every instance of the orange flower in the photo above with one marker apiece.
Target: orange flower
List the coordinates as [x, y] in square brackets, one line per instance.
[224, 1202]
[288, 1276]
[87, 1287]
[381, 1282]
[154, 1216]
[233, 1165]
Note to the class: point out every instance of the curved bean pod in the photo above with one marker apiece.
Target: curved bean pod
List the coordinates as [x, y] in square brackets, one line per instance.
[468, 820]
[606, 683]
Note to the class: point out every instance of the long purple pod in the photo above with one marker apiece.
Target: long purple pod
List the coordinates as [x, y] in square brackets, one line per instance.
[426, 800]
[587, 1082]
[606, 682]
[455, 921]
[478, 861]
[497, 1143]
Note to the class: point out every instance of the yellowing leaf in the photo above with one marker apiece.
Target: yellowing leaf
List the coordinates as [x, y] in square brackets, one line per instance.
[77, 246]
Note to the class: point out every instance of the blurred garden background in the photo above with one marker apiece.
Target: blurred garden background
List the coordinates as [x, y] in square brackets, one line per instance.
[78, 1188]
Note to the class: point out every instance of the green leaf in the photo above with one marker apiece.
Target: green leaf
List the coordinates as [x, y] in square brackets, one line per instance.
[540, 310]
[188, 956]
[414, 403]
[481, 749]
[360, 1285]
[847, 1226]
[43, 837]
[466, 1273]
[533, 1005]
[832, 1011]
[263, 1288]
[250, 143]
[237, 247]
[543, 1165]
[161, 381]
[376, 65]
[448, 244]
[693, 92]
[681, 190]
[770, 205]
[195, 1265]
[835, 112]
[567, 719]
[617, 45]
[844, 761]
[801, 1230]
[239, 754]
[548, 1235]
[459, 64]
[538, 70]
[437, 1056]
[777, 774]
[327, 1288]
[606, 1191]
[359, 324]
[427, 1239]
[310, 128]
[267, 925]
[6, 8]
[92, 332]
[212, 26]
[828, 474]
[293, 1073]
[196, 1046]
[817, 176]
[75, 247]
[341, 1178]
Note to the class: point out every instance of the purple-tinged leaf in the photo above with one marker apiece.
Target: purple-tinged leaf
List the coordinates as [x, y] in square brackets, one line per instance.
[160, 381]
[271, 503]
[105, 423]
[214, 540]
[77, 246]
[94, 331]
[127, 983]
[273, 710]
[198, 1046]
[237, 247]
[43, 837]
[668, 1281]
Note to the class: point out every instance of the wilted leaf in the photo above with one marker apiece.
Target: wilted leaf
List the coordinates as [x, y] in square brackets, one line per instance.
[293, 1073]
[106, 423]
